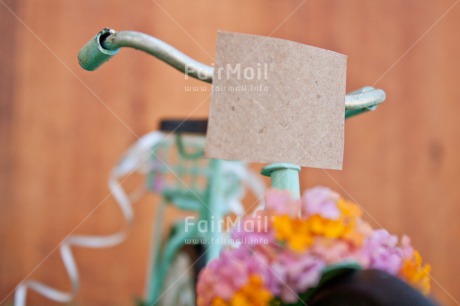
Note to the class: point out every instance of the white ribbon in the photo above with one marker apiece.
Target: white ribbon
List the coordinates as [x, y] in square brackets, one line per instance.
[136, 159]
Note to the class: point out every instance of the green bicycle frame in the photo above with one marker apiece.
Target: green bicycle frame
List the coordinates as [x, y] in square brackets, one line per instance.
[208, 202]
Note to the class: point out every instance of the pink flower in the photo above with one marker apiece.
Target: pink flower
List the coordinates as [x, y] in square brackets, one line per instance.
[321, 201]
[225, 275]
[384, 253]
[331, 251]
[295, 274]
[281, 202]
[406, 248]
[287, 274]
[254, 229]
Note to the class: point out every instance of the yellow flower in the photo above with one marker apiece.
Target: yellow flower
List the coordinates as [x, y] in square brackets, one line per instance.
[344, 227]
[218, 301]
[254, 293]
[298, 233]
[326, 227]
[283, 227]
[416, 274]
[349, 209]
[353, 235]
[294, 231]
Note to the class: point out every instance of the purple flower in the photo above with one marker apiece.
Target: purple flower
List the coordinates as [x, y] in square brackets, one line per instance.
[225, 275]
[384, 253]
[281, 202]
[321, 201]
[254, 230]
[285, 273]
[295, 274]
[331, 251]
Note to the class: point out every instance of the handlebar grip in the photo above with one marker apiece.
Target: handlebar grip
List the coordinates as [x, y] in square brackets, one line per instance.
[93, 54]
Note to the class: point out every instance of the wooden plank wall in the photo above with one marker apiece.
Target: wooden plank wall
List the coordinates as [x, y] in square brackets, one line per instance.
[62, 129]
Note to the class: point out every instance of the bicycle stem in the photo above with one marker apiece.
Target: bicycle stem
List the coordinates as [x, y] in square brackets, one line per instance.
[284, 176]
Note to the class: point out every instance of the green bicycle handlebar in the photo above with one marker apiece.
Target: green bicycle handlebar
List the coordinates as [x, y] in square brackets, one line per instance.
[108, 42]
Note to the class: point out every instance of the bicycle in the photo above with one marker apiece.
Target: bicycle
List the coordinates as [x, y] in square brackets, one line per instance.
[349, 286]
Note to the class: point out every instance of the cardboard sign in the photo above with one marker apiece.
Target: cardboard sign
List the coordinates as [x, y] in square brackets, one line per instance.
[275, 100]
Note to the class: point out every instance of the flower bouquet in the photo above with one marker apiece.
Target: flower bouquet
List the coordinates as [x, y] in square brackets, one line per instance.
[287, 250]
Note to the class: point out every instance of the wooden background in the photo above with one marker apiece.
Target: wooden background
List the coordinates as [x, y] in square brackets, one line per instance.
[62, 129]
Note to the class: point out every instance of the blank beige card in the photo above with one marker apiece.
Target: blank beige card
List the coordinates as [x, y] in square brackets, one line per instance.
[275, 100]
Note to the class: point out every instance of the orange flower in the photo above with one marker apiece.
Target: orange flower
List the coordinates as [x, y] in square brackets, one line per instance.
[349, 209]
[218, 301]
[254, 293]
[344, 227]
[418, 275]
[326, 227]
[294, 231]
